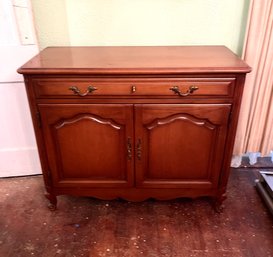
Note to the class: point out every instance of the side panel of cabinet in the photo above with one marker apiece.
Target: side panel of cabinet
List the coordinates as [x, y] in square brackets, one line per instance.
[180, 146]
[89, 145]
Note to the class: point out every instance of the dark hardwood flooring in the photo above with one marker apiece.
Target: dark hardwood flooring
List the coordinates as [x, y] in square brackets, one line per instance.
[90, 227]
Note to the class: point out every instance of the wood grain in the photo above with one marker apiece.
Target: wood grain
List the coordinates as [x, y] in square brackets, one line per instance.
[143, 133]
[85, 147]
[135, 60]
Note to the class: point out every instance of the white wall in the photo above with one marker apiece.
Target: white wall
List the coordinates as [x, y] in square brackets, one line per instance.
[141, 22]
[96, 22]
[18, 150]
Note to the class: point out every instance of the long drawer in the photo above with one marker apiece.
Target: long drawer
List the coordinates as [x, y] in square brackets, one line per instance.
[167, 87]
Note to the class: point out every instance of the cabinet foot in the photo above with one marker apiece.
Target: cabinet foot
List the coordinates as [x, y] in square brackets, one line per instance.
[52, 201]
[217, 203]
[218, 208]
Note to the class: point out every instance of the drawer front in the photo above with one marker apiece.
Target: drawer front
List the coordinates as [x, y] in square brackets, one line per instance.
[172, 87]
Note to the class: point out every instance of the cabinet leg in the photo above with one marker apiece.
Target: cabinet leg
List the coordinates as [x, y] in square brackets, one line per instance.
[217, 202]
[52, 201]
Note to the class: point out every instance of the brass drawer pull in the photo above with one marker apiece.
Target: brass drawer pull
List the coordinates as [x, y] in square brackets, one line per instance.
[77, 91]
[139, 149]
[129, 149]
[176, 90]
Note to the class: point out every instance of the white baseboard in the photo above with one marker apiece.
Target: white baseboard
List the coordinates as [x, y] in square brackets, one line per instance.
[21, 161]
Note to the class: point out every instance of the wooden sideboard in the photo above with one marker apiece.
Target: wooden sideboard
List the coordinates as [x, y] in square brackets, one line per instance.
[135, 122]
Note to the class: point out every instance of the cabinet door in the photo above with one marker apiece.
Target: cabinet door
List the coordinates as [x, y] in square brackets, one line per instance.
[180, 146]
[89, 145]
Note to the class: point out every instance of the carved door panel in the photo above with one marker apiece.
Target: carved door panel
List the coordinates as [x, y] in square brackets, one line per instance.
[89, 145]
[180, 146]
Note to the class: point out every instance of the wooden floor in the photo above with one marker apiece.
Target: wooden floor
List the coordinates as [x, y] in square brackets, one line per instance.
[89, 227]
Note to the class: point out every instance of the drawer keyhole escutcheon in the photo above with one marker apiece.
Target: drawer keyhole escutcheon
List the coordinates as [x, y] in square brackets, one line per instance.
[133, 89]
[76, 90]
[191, 89]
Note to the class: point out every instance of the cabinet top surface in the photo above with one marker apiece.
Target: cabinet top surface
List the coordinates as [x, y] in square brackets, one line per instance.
[135, 60]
